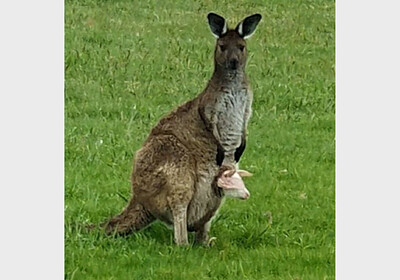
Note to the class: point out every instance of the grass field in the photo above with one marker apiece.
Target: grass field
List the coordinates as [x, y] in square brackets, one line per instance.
[128, 63]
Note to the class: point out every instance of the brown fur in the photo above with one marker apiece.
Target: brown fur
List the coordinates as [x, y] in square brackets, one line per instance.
[174, 175]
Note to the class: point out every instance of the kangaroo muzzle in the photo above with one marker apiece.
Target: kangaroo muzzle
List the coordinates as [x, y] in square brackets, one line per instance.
[233, 64]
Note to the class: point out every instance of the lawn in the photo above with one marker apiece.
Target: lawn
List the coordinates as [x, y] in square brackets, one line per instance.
[128, 63]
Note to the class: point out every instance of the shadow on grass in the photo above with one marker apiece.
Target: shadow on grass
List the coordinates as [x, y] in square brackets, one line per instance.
[160, 234]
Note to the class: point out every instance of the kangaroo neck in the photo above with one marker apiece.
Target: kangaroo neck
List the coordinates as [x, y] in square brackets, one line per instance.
[225, 77]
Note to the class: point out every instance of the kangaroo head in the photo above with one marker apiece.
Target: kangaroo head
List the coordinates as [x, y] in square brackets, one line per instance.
[230, 50]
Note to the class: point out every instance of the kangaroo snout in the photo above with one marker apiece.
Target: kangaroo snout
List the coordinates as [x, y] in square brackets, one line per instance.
[233, 64]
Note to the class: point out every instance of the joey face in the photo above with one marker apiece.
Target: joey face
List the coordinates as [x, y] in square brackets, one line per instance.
[230, 51]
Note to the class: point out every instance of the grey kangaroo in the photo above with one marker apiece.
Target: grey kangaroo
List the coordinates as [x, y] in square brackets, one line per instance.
[175, 174]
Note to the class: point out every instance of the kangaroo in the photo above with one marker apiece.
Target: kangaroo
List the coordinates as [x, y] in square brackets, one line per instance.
[175, 173]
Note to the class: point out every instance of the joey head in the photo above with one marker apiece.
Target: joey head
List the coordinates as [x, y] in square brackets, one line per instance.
[230, 180]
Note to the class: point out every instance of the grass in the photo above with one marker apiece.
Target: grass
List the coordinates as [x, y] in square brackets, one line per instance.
[128, 63]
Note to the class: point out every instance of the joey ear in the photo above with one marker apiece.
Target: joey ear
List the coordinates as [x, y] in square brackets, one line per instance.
[228, 173]
[244, 173]
[247, 27]
[217, 24]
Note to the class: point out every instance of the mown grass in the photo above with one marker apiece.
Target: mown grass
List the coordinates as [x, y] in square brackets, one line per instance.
[128, 63]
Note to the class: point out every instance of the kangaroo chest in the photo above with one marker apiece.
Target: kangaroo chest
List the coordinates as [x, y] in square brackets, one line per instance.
[230, 106]
[232, 113]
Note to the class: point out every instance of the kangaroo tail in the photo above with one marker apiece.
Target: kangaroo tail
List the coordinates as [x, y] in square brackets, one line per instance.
[133, 218]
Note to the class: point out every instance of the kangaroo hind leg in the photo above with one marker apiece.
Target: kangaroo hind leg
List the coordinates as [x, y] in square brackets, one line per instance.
[179, 197]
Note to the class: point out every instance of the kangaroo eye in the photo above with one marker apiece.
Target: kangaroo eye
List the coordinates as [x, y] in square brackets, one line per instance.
[222, 48]
[241, 48]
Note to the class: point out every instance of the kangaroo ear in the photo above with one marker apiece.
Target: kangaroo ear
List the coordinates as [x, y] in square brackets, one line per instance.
[217, 24]
[247, 27]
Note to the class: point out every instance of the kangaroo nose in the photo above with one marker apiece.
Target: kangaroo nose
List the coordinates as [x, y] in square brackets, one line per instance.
[233, 63]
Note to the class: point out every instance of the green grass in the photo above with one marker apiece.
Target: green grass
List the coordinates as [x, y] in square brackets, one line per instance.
[128, 63]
